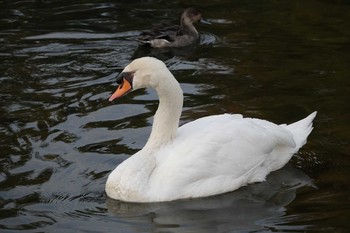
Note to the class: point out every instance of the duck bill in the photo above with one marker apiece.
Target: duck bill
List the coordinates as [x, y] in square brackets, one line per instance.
[204, 21]
[122, 89]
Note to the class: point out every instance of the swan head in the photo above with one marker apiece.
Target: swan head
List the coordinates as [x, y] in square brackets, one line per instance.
[140, 73]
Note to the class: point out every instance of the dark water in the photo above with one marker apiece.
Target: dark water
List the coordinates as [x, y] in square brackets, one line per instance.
[60, 137]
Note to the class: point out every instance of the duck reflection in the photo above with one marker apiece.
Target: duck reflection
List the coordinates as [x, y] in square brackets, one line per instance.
[164, 53]
[250, 208]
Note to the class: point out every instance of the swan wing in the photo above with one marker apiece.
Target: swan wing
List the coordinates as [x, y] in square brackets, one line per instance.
[217, 154]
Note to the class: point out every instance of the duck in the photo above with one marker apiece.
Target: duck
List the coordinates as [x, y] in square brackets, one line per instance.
[175, 35]
[209, 156]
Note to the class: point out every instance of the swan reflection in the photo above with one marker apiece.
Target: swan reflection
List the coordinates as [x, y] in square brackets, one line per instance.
[251, 208]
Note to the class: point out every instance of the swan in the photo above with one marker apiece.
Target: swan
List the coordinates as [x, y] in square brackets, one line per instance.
[211, 155]
[175, 35]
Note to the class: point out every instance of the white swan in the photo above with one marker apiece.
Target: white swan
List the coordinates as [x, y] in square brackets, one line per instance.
[208, 156]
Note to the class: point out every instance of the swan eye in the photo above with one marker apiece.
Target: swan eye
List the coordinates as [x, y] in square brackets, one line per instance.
[125, 75]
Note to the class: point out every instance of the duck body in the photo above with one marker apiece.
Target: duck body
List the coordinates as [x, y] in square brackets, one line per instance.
[173, 35]
[208, 156]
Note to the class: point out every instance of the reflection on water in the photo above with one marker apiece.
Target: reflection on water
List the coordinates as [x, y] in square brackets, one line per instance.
[251, 208]
[60, 137]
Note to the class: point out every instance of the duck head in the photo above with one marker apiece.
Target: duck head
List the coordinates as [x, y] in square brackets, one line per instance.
[192, 15]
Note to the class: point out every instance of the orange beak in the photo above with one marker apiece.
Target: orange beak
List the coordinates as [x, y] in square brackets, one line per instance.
[122, 89]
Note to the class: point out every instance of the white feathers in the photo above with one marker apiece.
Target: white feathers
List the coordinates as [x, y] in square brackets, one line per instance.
[208, 156]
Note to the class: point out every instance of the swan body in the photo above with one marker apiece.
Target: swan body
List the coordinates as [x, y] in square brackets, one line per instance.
[208, 156]
[175, 35]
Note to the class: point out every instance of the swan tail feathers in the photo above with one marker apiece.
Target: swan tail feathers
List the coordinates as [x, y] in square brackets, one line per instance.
[301, 130]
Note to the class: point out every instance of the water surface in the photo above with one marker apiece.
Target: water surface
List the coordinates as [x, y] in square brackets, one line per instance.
[60, 137]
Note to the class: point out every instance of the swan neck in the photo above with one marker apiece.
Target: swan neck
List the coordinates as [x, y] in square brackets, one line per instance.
[167, 116]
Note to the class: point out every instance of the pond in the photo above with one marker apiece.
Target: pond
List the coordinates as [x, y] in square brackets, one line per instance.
[60, 137]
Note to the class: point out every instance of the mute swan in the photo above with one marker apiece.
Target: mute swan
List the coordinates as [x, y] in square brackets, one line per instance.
[208, 156]
[175, 35]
